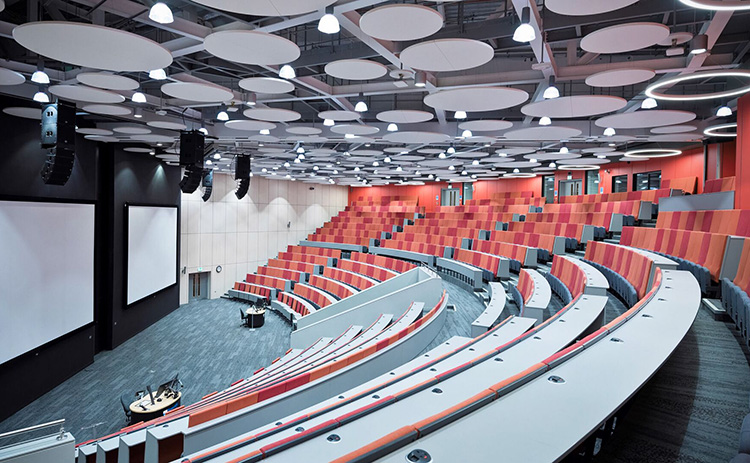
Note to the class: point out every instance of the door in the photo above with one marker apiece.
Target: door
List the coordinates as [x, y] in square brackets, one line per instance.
[449, 197]
[571, 187]
[548, 188]
[198, 286]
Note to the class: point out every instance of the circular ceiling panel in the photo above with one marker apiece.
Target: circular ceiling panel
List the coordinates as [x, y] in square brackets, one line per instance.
[404, 116]
[489, 125]
[552, 156]
[417, 137]
[92, 46]
[93, 131]
[476, 99]
[266, 85]
[107, 81]
[471, 155]
[674, 129]
[355, 69]
[132, 130]
[401, 22]
[254, 126]
[599, 150]
[136, 149]
[101, 138]
[267, 7]
[339, 116]
[26, 113]
[151, 138]
[619, 77]
[87, 94]
[107, 110]
[645, 119]
[543, 133]
[8, 77]
[354, 129]
[447, 55]
[272, 114]
[251, 47]
[676, 38]
[586, 7]
[574, 106]
[166, 125]
[622, 38]
[192, 91]
[303, 130]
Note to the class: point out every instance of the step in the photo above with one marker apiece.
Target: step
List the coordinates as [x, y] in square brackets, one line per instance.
[716, 309]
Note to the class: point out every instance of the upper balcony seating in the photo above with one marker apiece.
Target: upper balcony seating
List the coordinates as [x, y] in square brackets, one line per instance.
[284, 274]
[700, 253]
[335, 253]
[719, 184]
[334, 287]
[372, 271]
[350, 278]
[735, 294]
[389, 263]
[308, 258]
[687, 184]
[297, 266]
[644, 195]
[728, 222]
[318, 297]
[626, 270]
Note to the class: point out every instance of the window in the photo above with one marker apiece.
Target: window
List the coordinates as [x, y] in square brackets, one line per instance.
[548, 188]
[619, 183]
[647, 181]
[592, 182]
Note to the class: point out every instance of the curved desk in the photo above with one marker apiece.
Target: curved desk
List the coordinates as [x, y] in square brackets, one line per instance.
[256, 317]
[143, 410]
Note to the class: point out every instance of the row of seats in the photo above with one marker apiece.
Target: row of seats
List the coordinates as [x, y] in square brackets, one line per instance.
[398, 200]
[545, 244]
[643, 195]
[485, 209]
[294, 265]
[687, 184]
[516, 253]
[726, 222]
[308, 258]
[537, 202]
[475, 224]
[350, 278]
[340, 290]
[572, 232]
[627, 208]
[296, 303]
[600, 220]
[469, 217]
[389, 263]
[368, 270]
[566, 278]
[735, 294]
[627, 271]
[263, 280]
[702, 254]
[719, 184]
[489, 263]
[282, 273]
[328, 252]
[523, 290]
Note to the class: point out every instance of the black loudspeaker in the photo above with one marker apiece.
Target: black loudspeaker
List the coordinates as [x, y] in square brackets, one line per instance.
[192, 147]
[192, 178]
[242, 169]
[59, 137]
[208, 184]
[242, 188]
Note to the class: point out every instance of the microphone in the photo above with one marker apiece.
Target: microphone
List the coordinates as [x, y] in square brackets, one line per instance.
[150, 394]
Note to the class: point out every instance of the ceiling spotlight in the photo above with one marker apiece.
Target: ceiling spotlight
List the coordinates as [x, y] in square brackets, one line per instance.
[460, 115]
[329, 122]
[217, 156]
[286, 164]
[649, 103]
[551, 91]
[40, 77]
[157, 74]
[138, 113]
[349, 135]
[41, 97]
[564, 150]
[467, 134]
[265, 132]
[356, 169]
[399, 169]
[601, 156]
[328, 24]
[430, 176]
[297, 161]
[475, 162]
[516, 171]
[451, 167]
[287, 72]
[209, 162]
[302, 156]
[346, 153]
[203, 130]
[251, 100]
[532, 160]
[420, 79]
[524, 32]
[138, 97]
[300, 150]
[264, 170]
[375, 163]
[502, 155]
[553, 165]
[316, 167]
[361, 106]
[474, 176]
[161, 13]
[222, 116]
[392, 127]
[441, 156]
[387, 159]
[451, 150]
[699, 44]
[609, 132]
[545, 121]
[724, 111]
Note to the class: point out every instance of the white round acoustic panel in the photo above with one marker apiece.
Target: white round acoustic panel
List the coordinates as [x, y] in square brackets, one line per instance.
[404, 116]
[251, 47]
[339, 116]
[8, 77]
[272, 114]
[586, 7]
[107, 110]
[678, 38]
[153, 138]
[619, 77]
[574, 106]
[132, 130]
[400, 22]
[26, 113]
[552, 156]
[676, 138]
[267, 7]
[101, 138]
[489, 125]
[645, 119]
[303, 130]
[136, 149]
[92, 46]
[674, 129]
[355, 69]
[513, 151]
[446, 55]
[166, 125]
[247, 125]
[548, 133]
[476, 99]
[471, 155]
[266, 85]
[86, 94]
[622, 38]
[425, 138]
[192, 91]
[106, 81]
[354, 129]
[93, 131]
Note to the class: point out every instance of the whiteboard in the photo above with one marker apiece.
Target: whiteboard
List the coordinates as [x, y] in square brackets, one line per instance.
[152, 250]
[47, 273]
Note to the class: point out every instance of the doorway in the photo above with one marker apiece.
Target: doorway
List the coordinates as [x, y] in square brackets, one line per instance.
[571, 187]
[198, 286]
[450, 197]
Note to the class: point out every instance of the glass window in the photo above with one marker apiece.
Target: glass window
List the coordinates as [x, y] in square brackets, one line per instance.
[647, 181]
[592, 182]
[548, 188]
[619, 183]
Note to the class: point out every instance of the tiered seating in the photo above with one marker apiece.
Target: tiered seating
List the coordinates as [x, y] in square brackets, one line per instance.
[248, 292]
[719, 184]
[282, 273]
[317, 296]
[474, 225]
[566, 278]
[735, 294]
[309, 258]
[545, 244]
[400, 200]
[700, 253]
[632, 210]
[335, 253]
[271, 282]
[334, 287]
[368, 270]
[573, 232]
[385, 262]
[626, 270]
[485, 209]
[350, 278]
[687, 184]
[515, 252]
[296, 304]
[359, 225]
[294, 265]
[436, 239]
[600, 220]
[644, 195]
[491, 264]
[727, 222]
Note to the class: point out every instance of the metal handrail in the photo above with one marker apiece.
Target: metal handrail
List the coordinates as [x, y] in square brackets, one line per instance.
[60, 422]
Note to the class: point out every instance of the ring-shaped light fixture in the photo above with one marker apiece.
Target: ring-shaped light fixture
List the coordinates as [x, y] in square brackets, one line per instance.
[651, 90]
[520, 175]
[579, 167]
[713, 131]
[717, 5]
[652, 153]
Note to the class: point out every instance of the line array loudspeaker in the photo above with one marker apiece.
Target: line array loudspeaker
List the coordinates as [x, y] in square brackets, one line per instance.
[191, 180]
[208, 184]
[192, 147]
[59, 138]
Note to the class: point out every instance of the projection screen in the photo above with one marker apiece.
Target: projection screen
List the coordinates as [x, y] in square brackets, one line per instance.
[152, 250]
[47, 273]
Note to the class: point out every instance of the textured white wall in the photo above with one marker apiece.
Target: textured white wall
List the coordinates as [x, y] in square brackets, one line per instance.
[241, 235]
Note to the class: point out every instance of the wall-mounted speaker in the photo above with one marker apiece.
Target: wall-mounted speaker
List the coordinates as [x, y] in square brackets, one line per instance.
[59, 138]
[242, 169]
[192, 147]
[191, 180]
[208, 184]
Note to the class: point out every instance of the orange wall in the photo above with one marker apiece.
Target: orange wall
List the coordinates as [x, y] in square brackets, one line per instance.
[728, 159]
[742, 165]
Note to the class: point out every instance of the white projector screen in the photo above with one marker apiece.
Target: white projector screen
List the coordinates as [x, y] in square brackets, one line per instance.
[47, 273]
[152, 250]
